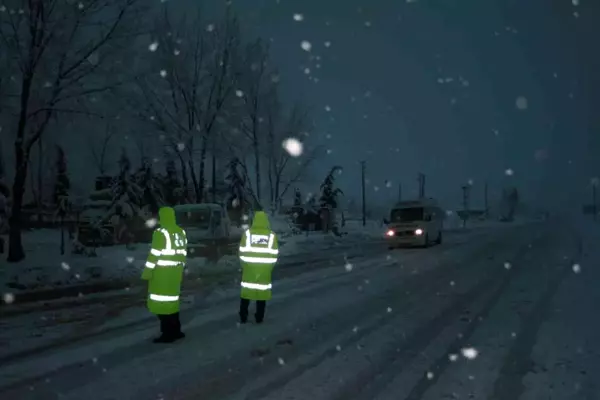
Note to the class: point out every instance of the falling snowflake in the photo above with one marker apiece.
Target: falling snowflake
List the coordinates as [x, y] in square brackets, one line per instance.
[329, 151]
[245, 217]
[327, 108]
[129, 259]
[65, 266]
[376, 188]
[470, 353]
[239, 93]
[575, 2]
[349, 266]
[367, 24]
[470, 182]
[293, 146]
[452, 283]
[452, 357]
[9, 298]
[355, 329]
[80, 6]
[576, 268]
[305, 45]
[388, 184]
[509, 172]
[429, 375]
[521, 103]
[281, 361]
[307, 71]
[210, 27]
[151, 223]
[338, 347]
[163, 73]
[507, 265]
[180, 146]
[176, 52]
[298, 17]
[327, 44]
[389, 309]
[153, 46]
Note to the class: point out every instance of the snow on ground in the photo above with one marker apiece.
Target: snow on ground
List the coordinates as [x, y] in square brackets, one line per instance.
[45, 268]
[565, 362]
[333, 317]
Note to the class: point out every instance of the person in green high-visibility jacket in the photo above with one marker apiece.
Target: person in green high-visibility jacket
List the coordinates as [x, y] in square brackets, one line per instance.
[164, 273]
[258, 255]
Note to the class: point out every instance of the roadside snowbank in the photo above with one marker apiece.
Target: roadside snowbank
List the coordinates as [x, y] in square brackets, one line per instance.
[44, 268]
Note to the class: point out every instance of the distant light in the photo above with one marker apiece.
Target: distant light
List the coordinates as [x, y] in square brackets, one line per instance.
[419, 232]
[390, 233]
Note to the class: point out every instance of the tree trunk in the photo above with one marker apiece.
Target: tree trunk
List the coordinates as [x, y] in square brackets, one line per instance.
[256, 166]
[184, 179]
[15, 245]
[62, 235]
[202, 169]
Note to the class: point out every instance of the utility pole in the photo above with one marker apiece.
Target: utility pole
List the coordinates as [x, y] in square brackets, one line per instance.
[214, 170]
[363, 167]
[466, 192]
[594, 201]
[421, 186]
[399, 192]
[485, 200]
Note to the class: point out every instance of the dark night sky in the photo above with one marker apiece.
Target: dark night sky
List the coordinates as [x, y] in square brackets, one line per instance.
[469, 128]
[381, 74]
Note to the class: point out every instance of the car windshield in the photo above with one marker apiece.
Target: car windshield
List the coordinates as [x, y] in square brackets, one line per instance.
[407, 214]
[199, 219]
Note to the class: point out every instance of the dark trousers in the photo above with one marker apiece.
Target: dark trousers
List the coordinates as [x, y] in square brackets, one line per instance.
[261, 305]
[170, 325]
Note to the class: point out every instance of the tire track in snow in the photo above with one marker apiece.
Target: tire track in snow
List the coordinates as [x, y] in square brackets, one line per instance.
[221, 384]
[445, 382]
[518, 361]
[220, 321]
[86, 332]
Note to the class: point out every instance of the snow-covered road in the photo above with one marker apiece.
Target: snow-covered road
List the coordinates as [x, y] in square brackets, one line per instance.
[502, 315]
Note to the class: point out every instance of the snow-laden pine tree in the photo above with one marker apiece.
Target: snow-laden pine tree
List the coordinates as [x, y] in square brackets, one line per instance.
[236, 184]
[329, 193]
[171, 184]
[297, 197]
[127, 194]
[152, 197]
[329, 199]
[60, 196]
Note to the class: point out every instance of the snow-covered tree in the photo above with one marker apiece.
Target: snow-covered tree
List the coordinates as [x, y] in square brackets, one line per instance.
[62, 184]
[236, 184]
[171, 184]
[58, 62]
[146, 179]
[127, 194]
[297, 197]
[329, 193]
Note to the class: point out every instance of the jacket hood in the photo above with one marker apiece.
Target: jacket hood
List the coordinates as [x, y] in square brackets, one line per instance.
[166, 217]
[260, 221]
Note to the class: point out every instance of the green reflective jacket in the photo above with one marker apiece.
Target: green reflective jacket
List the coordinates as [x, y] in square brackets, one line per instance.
[165, 263]
[258, 255]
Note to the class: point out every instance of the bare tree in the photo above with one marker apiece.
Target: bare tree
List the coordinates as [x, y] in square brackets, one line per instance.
[193, 82]
[99, 150]
[256, 88]
[283, 169]
[61, 52]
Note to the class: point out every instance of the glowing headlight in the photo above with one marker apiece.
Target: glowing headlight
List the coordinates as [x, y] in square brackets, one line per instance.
[419, 232]
[390, 233]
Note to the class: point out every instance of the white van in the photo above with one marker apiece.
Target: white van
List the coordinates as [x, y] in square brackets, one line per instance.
[413, 223]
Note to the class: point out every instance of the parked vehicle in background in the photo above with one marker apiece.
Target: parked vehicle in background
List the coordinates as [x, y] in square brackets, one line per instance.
[208, 230]
[415, 223]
